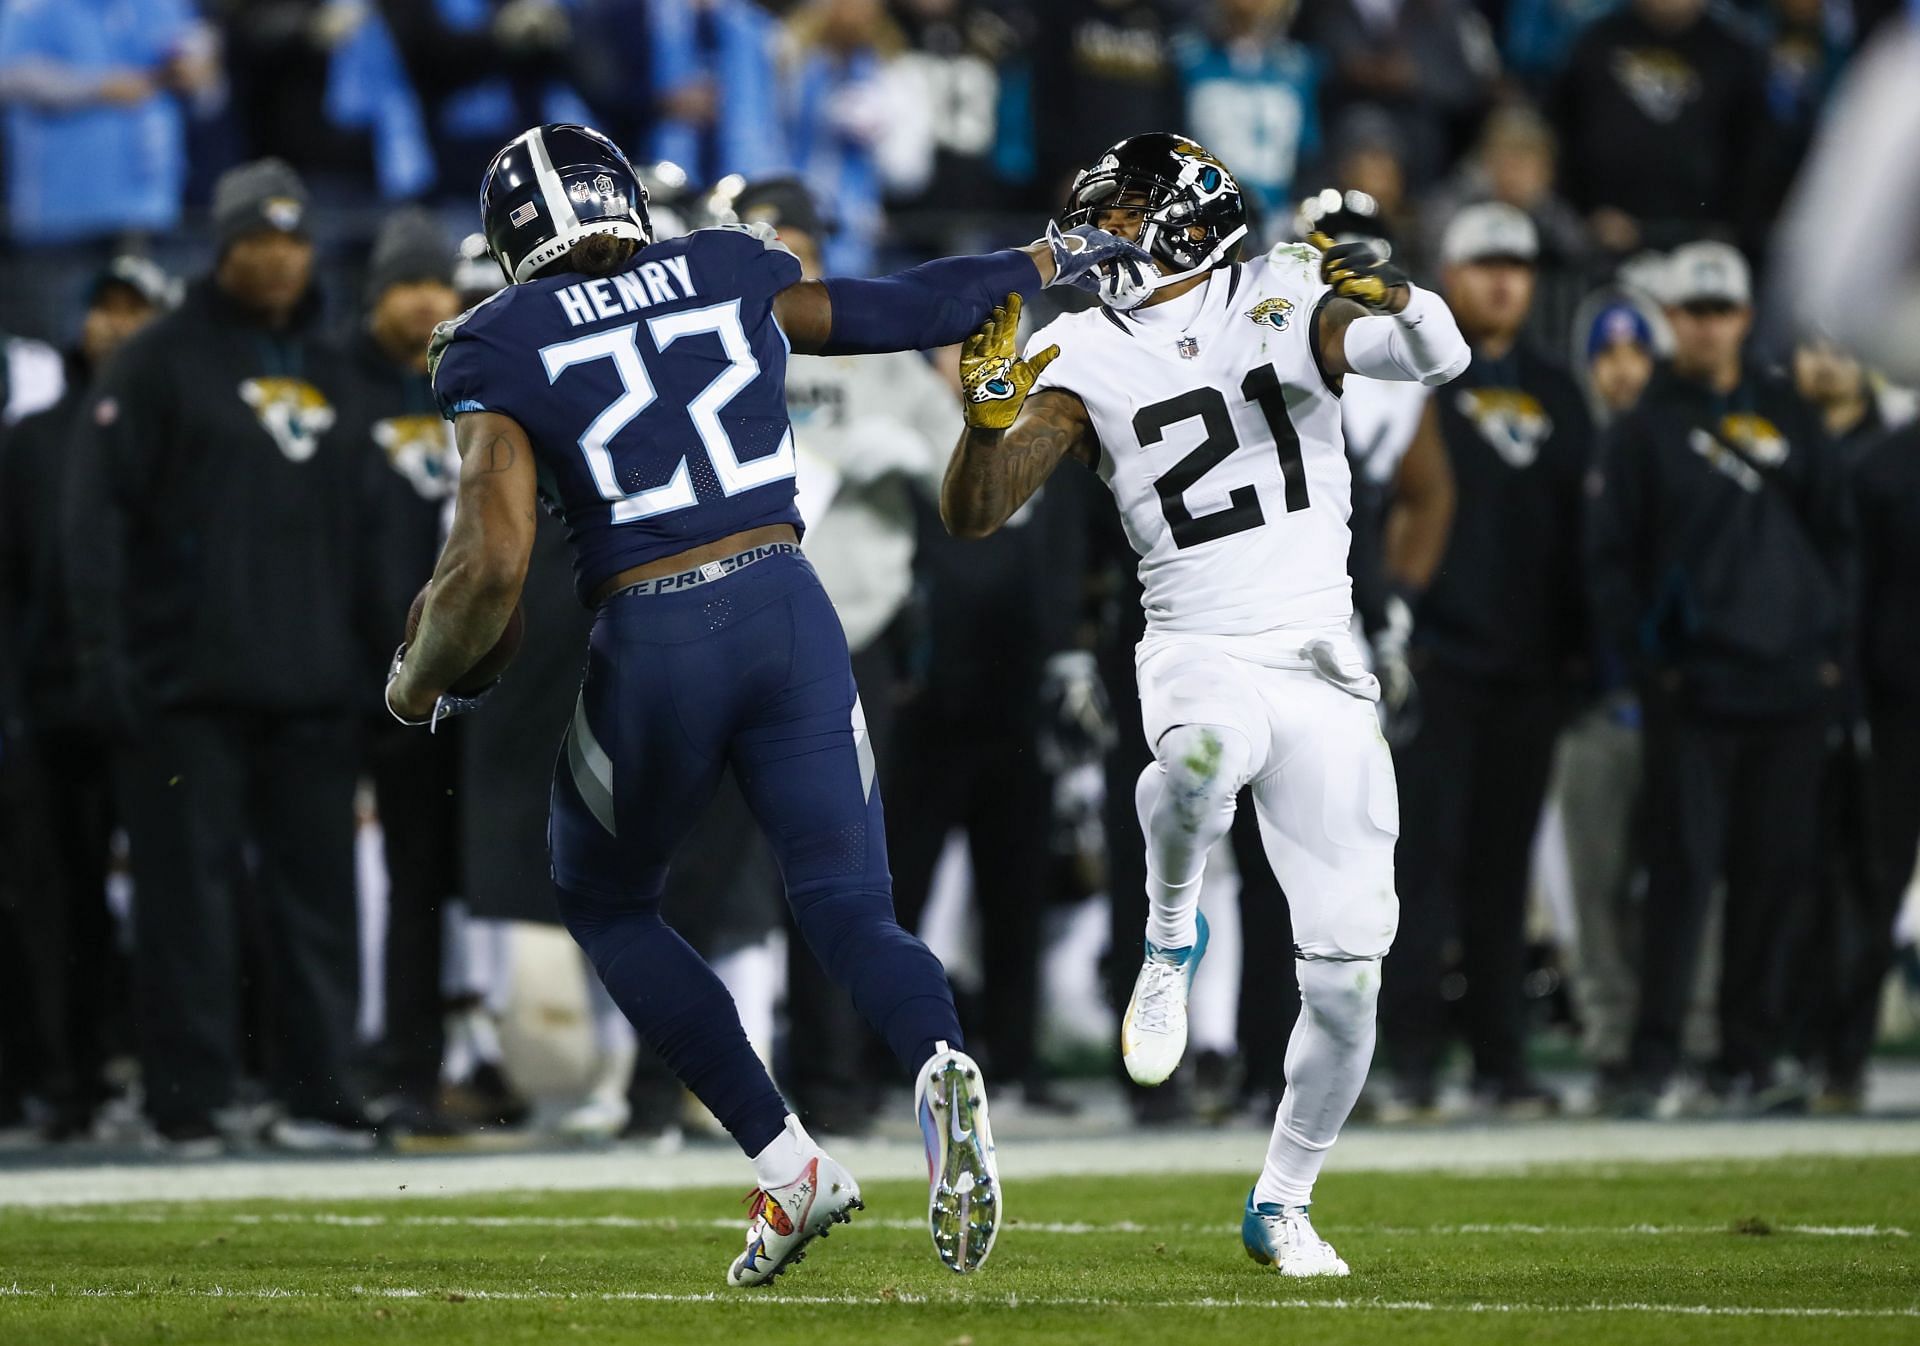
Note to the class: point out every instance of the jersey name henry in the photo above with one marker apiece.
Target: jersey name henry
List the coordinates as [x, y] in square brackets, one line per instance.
[1221, 442]
[654, 398]
[606, 297]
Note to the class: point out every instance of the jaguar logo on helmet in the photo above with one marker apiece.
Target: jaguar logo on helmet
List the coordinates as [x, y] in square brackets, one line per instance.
[1206, 173]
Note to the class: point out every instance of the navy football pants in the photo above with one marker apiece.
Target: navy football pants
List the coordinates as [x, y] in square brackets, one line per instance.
[750, 670]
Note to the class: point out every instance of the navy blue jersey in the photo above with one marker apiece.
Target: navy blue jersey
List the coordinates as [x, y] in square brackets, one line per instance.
[655, 398]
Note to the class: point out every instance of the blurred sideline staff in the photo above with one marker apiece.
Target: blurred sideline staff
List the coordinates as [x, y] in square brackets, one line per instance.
[1494, 640]
[392, 413]
[64, 977]
[1719, 529]
[218, 534]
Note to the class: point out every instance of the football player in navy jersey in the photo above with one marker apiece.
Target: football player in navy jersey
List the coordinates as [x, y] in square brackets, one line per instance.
[639, 386]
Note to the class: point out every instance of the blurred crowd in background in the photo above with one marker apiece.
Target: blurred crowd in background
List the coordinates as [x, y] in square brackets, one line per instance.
[1638, 586]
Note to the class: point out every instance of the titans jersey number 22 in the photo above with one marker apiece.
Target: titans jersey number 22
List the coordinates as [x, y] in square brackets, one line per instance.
[655, 398]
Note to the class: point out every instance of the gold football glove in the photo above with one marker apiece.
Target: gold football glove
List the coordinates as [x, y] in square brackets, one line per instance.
[992, 375]
[1357, 272]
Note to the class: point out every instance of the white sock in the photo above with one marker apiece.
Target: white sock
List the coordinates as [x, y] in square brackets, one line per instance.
[1173, 911]
[786, 1154]
[1327, 1060]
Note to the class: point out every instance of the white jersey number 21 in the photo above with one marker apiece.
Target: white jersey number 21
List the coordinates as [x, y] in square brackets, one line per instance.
[1242, 512]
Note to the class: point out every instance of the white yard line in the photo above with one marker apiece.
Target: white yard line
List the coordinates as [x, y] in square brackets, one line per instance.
[1461, 1149]
[18, 1291]
[342, 1219]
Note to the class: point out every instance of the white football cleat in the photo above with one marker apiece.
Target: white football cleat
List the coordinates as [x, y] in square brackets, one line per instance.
[1282, 1237]
[963, 1178]
[1153, 1036]
[784, 1220]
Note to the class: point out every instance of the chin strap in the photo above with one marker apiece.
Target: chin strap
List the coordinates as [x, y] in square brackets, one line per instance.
[1128, 297]
[1211, 260]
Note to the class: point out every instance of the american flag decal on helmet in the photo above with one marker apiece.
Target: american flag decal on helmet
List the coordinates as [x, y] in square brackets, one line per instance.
[522, 214]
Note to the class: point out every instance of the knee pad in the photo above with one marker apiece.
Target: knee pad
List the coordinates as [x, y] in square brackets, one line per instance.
[1341, 996]
[1197, 771]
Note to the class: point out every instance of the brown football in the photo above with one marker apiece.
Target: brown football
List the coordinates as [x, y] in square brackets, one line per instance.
[493, 663]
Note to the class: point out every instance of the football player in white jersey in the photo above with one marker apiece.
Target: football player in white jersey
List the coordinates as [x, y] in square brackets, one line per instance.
[1205, 392]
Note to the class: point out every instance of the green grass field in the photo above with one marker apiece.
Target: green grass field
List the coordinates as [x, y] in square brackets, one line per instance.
[1778, 1252]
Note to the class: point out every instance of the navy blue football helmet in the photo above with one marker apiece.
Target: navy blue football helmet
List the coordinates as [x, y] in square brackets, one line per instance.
[550, 188]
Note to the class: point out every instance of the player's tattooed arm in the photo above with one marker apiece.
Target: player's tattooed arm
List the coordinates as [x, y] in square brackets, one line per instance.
[483, 566]
[994, 472]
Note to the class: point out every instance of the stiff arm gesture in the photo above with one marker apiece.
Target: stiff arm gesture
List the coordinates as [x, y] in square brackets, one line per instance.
[1011, 442]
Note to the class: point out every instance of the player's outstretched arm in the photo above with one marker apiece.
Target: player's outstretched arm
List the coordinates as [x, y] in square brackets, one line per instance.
[1382, 326]
[1011, 442]
[940, 302]
[481, 569]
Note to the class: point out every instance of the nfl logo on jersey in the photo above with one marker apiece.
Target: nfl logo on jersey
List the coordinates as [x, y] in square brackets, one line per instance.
[1188, 347]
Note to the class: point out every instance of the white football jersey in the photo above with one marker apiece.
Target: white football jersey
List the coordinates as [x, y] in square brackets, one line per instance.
[1222, 445]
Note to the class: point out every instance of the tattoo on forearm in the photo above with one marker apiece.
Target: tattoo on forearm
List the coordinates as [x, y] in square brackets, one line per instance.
[995, 472]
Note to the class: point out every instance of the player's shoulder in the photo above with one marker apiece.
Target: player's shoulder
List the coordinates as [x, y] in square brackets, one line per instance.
[1287, 268]
[1280, 288]
[482, 317]
[735, 241]
[455, 362]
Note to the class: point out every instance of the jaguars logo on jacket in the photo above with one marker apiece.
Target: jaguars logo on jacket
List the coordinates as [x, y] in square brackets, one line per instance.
[1511, 421]
[293, 411]
[420, 448]
[1660, 83]
[1758, 438]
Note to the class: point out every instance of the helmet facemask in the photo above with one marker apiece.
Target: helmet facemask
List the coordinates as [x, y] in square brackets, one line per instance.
[1194, 193]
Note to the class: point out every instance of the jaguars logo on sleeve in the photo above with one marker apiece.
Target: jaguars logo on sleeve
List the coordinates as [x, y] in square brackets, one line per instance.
[293, 411]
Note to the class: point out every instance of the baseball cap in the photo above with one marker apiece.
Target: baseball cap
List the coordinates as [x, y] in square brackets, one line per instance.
[144, 276]
[1708, 273]
[1489, 231]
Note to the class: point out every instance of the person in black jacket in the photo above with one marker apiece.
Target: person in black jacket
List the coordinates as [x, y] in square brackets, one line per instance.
[1660, 111]
[217, 539]
[1718, 528]
[409, 292]
[1886, 492]
[65, 974]
[1495, 636]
